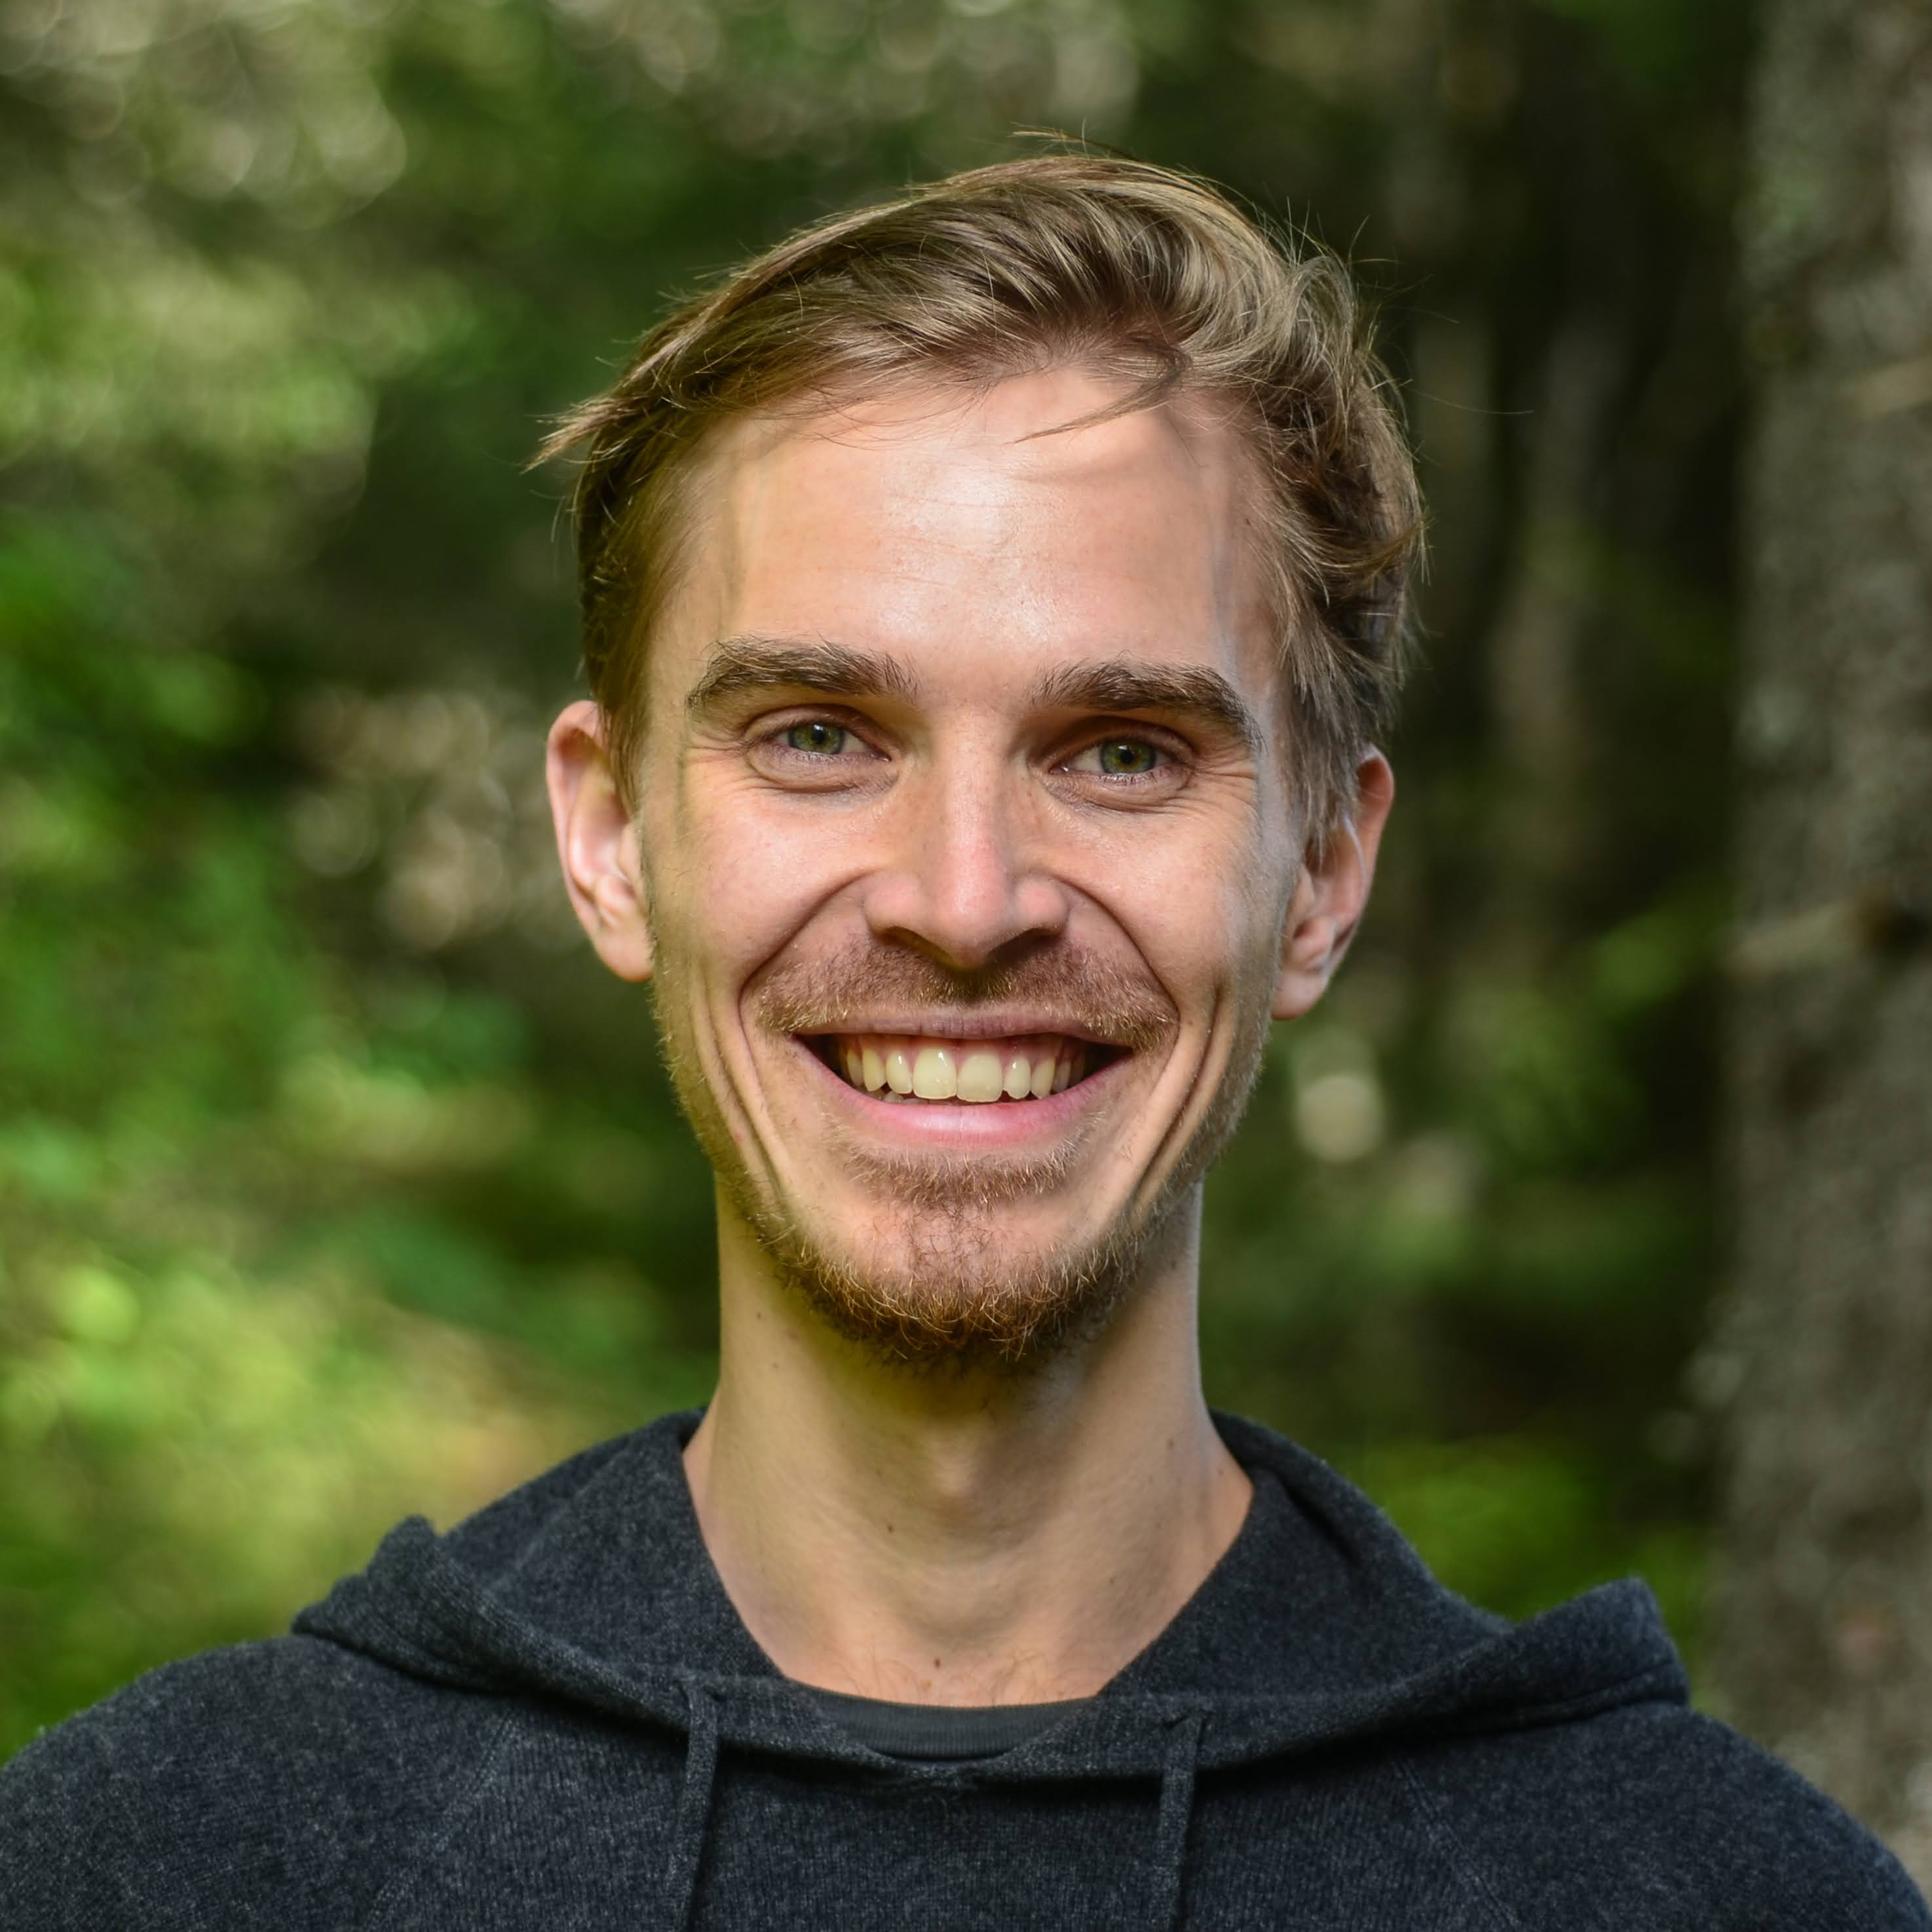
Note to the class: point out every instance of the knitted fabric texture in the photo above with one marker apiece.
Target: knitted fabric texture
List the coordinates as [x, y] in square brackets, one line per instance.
[551, 1717]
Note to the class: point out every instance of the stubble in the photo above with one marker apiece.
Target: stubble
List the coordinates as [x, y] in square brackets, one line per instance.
[958, 1290]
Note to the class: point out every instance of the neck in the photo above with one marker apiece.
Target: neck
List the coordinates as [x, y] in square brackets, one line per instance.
[960, 1536]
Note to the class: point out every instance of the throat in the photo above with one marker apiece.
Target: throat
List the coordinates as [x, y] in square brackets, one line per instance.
[1017, 1546]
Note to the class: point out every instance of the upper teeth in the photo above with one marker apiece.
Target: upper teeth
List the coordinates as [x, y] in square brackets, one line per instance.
[961, 1069]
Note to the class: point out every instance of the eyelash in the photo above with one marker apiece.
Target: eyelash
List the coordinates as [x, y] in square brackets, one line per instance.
[1167, 756]
[774, 739]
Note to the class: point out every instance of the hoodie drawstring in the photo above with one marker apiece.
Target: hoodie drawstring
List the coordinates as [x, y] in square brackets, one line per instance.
[1177, 1810]
[679, 1888]
[678, 1891]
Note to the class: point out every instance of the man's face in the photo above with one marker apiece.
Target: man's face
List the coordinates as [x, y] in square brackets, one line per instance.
[966, 853]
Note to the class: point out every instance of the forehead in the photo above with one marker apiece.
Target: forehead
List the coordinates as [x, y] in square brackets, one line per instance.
[976, 537]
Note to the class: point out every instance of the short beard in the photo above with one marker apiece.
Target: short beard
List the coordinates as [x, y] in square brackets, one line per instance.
[950, 1303]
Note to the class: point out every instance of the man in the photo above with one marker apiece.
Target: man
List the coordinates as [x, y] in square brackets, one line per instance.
[992, 601]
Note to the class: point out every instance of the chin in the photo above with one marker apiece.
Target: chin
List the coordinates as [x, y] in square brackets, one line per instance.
[955, 1280]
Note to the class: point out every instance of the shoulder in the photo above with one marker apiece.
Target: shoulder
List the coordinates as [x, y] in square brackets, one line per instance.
[272, 1784]
[1652, 1815]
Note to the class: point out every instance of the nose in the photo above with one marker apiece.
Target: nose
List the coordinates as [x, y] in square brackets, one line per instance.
[963, 882]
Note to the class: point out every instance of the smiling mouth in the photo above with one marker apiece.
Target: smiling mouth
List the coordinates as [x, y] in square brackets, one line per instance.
[905, 1068]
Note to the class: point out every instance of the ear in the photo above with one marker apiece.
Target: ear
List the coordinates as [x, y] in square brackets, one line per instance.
[1332, 891]
[597, 842]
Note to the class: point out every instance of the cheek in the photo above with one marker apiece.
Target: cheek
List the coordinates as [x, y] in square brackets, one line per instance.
[735, 884]
[1207, 917]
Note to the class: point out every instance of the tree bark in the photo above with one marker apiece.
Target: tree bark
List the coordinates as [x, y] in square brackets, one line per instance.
[1821, 1362]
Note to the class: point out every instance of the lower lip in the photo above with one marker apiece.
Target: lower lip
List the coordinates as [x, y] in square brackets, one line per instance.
[968, 1124]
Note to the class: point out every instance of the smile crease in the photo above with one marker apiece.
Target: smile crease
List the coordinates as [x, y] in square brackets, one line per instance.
[903, 1067]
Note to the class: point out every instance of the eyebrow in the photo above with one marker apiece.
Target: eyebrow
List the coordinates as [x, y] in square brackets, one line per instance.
[755, 663]
[1128, 684]
[762, 664]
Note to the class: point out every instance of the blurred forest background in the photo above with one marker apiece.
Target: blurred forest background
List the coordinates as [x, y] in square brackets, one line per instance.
[337, 1182]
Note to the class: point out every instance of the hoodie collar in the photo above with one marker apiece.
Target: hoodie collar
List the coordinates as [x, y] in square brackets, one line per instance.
[1319, 1624]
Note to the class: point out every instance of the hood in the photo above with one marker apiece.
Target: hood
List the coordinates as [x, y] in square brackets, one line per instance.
[1319, 1626]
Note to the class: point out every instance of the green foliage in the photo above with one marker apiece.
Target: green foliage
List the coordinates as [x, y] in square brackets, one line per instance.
[335, 1183]
[245, 1318]
[1657, 45]
[1519, 1526]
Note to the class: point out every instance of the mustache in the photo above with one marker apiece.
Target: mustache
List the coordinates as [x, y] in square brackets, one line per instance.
[1073, 989]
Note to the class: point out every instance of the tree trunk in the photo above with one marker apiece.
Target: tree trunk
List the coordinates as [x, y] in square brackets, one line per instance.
[1822, 1363]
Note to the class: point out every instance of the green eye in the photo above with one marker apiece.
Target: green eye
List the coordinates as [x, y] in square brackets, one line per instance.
[1126, 757]
[818, 738]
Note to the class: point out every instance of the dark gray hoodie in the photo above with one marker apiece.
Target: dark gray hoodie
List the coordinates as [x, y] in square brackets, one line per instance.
[551, 1720]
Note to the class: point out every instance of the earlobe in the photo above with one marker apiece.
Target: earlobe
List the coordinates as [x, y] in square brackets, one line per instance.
[597, 843]
[1331, 893]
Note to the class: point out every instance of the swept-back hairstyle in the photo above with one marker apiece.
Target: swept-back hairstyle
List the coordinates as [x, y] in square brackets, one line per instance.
[1130, 270]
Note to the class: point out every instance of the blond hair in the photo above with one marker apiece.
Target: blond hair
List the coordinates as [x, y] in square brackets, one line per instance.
[1075, 259]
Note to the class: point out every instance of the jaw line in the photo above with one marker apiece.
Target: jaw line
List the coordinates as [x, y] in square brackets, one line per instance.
[889, 1313]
